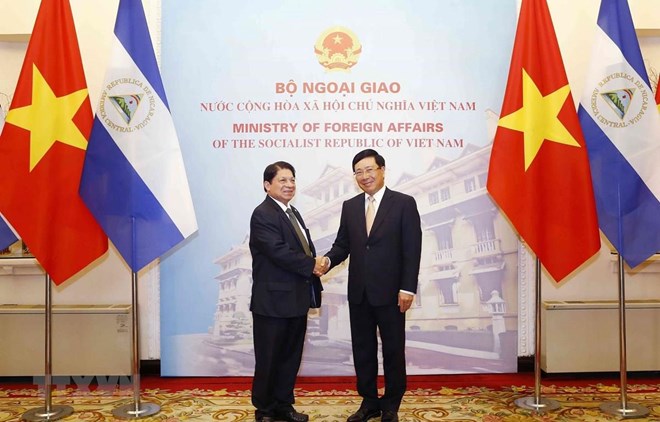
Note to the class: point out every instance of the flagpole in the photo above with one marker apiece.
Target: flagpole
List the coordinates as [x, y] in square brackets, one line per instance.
[48, 412]
[622, 408]
[537, 403]
[135, 410]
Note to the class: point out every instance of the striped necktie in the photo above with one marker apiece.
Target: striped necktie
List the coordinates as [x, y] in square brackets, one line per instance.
[299, 232]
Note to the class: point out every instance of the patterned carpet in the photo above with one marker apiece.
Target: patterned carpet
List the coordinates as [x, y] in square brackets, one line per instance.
[487, 404]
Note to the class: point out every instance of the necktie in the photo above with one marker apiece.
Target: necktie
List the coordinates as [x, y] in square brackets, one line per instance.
[370, 213]
[299, 232]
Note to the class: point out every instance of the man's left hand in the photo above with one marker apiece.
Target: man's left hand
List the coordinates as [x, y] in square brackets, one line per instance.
[405, 301]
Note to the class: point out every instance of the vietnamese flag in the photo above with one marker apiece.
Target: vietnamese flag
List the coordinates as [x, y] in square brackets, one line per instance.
[42, 148]
[539, 168]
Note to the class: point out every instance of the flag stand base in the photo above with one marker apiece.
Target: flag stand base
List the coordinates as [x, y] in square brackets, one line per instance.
[137, 409]
[130, 411]
[540, 405]
[537, 403]
[48, 412]
[40, 413]
[629, 411]
[622, 408]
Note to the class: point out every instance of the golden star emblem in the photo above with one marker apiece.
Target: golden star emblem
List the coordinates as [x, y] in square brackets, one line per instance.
[538, 119]
[49, 118]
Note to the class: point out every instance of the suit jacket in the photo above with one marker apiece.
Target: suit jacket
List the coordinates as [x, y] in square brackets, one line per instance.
[282, 274]
[386, 261]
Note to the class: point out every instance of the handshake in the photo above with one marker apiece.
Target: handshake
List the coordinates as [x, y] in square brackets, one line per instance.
[322, 265]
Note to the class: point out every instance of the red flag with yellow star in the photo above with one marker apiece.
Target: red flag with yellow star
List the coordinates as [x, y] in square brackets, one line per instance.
[42, 148]
[539, 169]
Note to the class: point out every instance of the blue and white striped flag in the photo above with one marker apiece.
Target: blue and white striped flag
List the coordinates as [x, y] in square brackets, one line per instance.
[7, 235]
[621, 126]
[134, 180]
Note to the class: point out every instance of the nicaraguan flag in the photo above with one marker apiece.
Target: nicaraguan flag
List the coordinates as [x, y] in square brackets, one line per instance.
[7, 236]
[134, 180]
[621, 126]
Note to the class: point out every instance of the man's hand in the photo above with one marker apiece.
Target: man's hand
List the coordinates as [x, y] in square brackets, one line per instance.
[322, 265]
[405, 301]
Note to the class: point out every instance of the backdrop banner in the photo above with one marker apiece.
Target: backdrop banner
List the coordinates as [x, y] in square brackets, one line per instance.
[313, 83]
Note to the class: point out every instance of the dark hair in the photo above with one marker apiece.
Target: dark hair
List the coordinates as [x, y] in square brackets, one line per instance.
[380, 161]
[271, 170]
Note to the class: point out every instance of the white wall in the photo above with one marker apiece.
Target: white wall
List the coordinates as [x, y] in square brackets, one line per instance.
[110, 280]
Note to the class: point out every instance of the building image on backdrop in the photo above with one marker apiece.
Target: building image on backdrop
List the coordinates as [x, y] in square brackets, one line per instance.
[464, 318]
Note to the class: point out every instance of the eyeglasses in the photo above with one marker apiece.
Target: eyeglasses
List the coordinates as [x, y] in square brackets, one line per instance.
[368, 172]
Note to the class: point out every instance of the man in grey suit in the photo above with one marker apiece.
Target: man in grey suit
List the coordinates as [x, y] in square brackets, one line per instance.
[284, 288]
[381, 231]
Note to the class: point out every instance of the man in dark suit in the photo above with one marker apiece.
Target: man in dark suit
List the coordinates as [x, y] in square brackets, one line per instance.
[284, 287]
[380, 229]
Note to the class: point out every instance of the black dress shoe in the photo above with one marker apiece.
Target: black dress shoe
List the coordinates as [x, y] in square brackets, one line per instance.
[389, 416]
[363, 415]
[264, 419]
[291, 416]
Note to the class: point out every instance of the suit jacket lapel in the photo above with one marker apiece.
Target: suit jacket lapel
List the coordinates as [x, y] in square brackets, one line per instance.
[383, 208]
[361, 218]
[284, 217]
